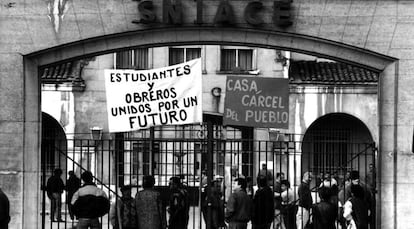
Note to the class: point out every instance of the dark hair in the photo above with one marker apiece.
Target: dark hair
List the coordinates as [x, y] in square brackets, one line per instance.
[57, 171]
[242, 182]
[285, 182]
[126, 188]
[148, 181]
[357, 191]
[261, 181]
[176, 180]
[324, 193]
[71, 173]
[354, 175]
[87, 176]
[279, 174]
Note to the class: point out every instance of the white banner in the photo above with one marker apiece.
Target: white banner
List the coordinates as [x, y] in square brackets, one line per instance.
[164, 96]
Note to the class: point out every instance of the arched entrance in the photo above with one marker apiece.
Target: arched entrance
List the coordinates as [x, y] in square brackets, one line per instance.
[338, 143]
[53, 145]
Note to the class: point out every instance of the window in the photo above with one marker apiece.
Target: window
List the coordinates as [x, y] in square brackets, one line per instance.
[132, 59]
[180, 55]
[236, 59]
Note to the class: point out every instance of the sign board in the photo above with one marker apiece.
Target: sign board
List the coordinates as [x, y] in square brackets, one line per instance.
[257, 102]
[165, 96]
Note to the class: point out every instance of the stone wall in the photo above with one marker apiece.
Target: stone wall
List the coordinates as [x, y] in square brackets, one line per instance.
[383, 26]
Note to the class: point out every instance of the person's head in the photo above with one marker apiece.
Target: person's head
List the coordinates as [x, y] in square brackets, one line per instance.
[261, 181]
[87, 177]
[71, 173]
[126, 190]
[357, 191]
[148, 182]
[264, 166]
[307, 177]
[347, 176]
[354, 176]
[284, 185]
[175, 182]
[280, 176]
[324, 193]
[241, 183]
[57, 172]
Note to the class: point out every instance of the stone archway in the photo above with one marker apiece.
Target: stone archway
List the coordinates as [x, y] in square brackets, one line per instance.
[176, 36]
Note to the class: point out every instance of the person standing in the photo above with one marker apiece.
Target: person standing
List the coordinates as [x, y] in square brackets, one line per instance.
[72, 185]
[266, 173]
[356, 209]
[215, 202]
[178, 207]
[54, 189]
[263, 204]
[324, 213]
[278, 222]
[239, 206]
[89, 203]
[4, 210]
[305, 201]
[150, 214]
[123, 213]
[288, 208]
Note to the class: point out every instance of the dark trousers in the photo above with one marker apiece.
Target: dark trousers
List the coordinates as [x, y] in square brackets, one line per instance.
[289, 216]
[261, 226]
[89, 223]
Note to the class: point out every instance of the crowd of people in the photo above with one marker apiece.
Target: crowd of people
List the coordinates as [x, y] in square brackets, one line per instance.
[326, 203]
[348, 204]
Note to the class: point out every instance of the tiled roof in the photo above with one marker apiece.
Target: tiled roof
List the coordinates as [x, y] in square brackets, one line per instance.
[68, 72]
[330, 73]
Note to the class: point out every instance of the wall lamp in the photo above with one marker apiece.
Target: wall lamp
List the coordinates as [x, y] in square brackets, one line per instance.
[96, 133]
[216, 92]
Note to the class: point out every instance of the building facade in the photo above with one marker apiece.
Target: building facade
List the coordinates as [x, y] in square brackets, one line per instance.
[372, 35]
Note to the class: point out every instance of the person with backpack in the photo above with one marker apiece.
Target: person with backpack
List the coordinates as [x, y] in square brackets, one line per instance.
[123, 213]
[178, 205]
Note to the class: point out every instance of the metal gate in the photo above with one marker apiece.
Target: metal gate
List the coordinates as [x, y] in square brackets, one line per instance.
[199, 155]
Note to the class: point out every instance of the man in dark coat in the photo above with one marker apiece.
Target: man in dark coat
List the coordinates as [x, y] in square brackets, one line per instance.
[356, 208]
[239, 206]
[72, 185]
[178, 205]
[54, 188]
[4, 210]
[324, 213]
[305, 201]
[263, 205]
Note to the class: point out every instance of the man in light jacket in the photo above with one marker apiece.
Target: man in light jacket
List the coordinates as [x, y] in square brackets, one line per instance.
[89, 203]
